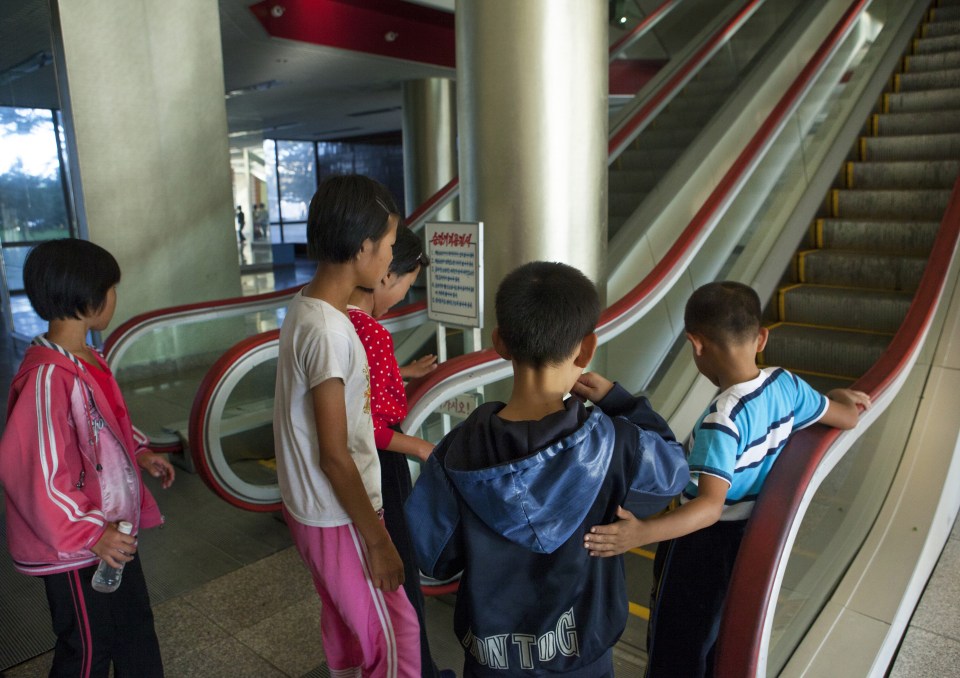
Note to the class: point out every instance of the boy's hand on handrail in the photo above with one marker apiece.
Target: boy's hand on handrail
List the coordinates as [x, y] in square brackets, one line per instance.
[619, 537]
[843, 410]
[848, 396]
[115, 547]
[592, 386]
[419, 367]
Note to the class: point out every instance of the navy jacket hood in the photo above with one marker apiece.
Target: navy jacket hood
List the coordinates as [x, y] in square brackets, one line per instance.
[550, 484]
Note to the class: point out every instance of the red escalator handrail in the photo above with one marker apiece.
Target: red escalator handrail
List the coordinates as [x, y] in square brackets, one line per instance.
[641, 28]
[201, 408]
[448, 192]
[698, 226]
[765, 541]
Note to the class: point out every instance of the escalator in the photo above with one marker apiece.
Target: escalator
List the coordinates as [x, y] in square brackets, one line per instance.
[853, 280]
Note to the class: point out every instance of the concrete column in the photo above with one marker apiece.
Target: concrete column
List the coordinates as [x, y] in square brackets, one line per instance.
[429, 139]
[532, 102]
[141, 84]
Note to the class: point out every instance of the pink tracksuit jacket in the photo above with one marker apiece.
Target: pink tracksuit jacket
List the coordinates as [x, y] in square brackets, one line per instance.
[59, 431]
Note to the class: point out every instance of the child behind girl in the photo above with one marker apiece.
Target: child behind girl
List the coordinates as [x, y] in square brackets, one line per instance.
[68, 464]
[389, 403]
[327, 465]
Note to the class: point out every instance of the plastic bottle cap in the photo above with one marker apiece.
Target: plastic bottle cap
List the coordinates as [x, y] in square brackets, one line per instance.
[125, 527]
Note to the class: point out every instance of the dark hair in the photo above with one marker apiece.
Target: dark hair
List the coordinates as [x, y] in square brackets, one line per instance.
[345, 211]
[408, 253]
[69, 278]
[724, 312]
[544, 310]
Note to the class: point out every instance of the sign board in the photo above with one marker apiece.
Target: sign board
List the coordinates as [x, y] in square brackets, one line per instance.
[454, 276]
[461, 406]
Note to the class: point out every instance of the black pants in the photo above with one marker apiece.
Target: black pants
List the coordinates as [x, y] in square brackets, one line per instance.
[94, 628]
[395, 488]
[690, 580]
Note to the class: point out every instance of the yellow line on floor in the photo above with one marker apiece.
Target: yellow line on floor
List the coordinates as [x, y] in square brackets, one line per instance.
[640, 611]
[643, 553]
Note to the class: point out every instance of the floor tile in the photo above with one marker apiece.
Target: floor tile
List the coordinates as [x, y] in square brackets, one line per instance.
[183, 629]
[939, 608]
[290, 639]
[926, 655]
[227, 659]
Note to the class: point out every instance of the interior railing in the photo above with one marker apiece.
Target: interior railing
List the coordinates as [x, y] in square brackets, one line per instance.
[465, 373]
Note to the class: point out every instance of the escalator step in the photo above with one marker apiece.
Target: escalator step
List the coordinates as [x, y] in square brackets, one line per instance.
[927, 204]
[657, 137]
[892, 175]
[933, 100]
[868, 270]
[934, 122]
[895, 237]
[915, 82]
[658, 158]
[945, 13]
[919, 63]
[625, 203]
[912, 147]
[940, 28]
[842, 353]
[844, 307]
[633, 180]
[934, 45]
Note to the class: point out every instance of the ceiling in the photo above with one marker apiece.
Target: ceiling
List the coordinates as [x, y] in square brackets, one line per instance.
[317, 92]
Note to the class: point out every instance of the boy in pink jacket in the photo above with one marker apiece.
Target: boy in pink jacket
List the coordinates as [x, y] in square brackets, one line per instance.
[70, 466]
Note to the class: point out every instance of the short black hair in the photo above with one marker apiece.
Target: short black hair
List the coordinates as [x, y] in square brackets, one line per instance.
[345, 211]
[68, 278]
[724, 312]
[408, 253]
[544, 309]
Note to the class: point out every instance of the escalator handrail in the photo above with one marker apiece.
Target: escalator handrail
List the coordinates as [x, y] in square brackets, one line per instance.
[225, 364]
[200, 411]
[465, 372]
[628, 39]
[763, 552]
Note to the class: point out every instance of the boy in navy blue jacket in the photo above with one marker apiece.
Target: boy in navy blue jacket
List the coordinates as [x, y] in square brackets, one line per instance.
[508, 495]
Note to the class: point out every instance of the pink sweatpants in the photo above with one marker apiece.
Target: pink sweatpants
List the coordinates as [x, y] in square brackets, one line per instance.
[366, 632]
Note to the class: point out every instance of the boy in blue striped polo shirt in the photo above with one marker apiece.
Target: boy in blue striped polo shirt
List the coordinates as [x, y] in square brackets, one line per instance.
[730, 451]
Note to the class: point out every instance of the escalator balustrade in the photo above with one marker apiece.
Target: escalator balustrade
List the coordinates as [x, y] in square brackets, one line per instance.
[854, 278]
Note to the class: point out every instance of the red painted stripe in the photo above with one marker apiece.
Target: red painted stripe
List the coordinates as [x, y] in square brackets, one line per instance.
[441, 589]
[764, 543]
[390, 28]
[83, 622]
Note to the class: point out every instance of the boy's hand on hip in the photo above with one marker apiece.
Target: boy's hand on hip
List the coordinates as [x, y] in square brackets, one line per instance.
[616, 538]
[386, 568]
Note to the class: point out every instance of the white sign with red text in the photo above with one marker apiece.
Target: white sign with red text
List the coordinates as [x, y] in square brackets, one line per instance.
[454, 276]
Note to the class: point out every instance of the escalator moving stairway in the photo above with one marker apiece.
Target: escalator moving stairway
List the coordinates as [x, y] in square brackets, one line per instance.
[853, 280]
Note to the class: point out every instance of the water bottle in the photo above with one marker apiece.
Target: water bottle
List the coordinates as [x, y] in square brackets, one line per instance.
[106, 579]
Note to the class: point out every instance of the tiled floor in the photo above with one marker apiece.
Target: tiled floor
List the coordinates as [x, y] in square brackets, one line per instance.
[931, 646]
